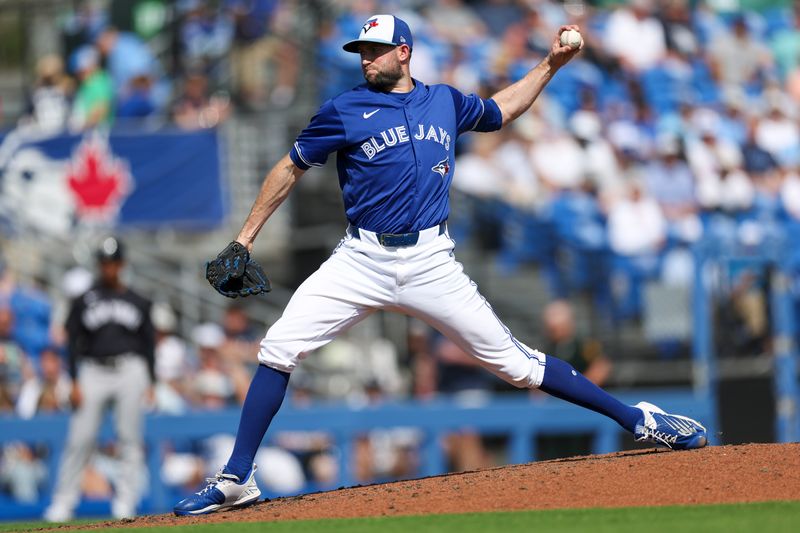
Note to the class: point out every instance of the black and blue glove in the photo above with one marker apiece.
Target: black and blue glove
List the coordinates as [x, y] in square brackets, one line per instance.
[234, 274]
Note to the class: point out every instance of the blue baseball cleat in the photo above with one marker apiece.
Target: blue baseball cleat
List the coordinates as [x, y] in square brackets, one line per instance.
[672, 431]
[224, 491]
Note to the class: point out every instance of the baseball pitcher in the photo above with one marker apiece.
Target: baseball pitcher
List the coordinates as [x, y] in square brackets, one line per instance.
[394, 139]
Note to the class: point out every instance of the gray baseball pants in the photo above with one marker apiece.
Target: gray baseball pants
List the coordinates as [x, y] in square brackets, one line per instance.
[122, 385]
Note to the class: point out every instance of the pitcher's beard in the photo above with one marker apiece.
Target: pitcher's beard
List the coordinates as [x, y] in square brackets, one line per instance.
[384, 81]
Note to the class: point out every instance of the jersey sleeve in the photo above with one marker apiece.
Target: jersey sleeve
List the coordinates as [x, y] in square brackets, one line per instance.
[324, 135]
[473, 113]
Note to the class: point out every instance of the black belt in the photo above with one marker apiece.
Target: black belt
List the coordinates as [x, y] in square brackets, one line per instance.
[396, 240]
[111, 361]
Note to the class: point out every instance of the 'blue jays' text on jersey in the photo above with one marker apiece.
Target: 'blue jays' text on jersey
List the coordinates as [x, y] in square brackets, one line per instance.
[395, 152]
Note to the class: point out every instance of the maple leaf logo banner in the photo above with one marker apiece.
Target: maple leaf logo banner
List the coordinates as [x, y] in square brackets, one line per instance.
[98, 181]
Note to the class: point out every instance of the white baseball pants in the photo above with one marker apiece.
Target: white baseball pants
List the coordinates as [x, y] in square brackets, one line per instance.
[423, 281]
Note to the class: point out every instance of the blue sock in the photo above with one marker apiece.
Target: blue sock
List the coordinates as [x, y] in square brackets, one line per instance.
[563, 381]
[263, 400]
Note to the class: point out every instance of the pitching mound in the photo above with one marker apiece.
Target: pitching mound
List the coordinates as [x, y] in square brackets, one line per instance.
[718, 474]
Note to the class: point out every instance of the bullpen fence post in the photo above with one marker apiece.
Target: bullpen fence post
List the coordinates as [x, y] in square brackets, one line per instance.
[785, 374]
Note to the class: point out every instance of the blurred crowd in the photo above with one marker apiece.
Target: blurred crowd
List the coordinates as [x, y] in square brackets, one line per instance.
[156, 62]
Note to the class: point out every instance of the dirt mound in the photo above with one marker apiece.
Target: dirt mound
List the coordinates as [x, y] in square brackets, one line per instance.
[718, 474]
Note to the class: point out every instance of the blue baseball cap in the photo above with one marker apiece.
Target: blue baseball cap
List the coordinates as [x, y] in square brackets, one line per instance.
[383, 29]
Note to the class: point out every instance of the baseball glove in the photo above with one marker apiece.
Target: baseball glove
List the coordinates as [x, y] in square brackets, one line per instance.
[234, 274]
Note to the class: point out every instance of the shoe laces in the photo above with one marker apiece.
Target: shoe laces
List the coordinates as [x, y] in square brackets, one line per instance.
[218, 477]
[653, 435]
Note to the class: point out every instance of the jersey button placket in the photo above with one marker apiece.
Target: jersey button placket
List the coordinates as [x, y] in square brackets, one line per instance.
[409, 121]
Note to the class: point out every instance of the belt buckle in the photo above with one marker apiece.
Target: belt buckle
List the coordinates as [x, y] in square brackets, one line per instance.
[398, 240]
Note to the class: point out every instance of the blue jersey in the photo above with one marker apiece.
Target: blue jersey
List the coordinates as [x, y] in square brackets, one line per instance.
[395, 152]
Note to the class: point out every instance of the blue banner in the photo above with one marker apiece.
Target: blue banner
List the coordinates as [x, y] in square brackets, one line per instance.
[122, 180]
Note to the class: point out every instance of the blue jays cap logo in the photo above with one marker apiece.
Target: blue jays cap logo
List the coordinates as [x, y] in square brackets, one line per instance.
[372, 23]
[442, 167]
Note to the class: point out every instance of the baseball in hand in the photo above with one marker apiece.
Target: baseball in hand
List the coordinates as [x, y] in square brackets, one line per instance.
[571, 38]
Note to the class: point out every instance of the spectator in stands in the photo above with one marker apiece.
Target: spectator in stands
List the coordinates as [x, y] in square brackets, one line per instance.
[241, 338]
[637, 232]
[600, 163]
[634, 23]
[632, 142]
[218, 383]
[733, 116]
[238, 328]
[670, 182]
[51, 96]
[563, 340]
[22, 473]
[558, 160]
[716, 165]
[173, 367]
[260, 39]
[47, 392]
[676, 16]
[136, 100]
[512, 156]
[738, 59]
[206, 35]
[126, 57]
[111, 361]
[195, 108]
[94, 100]
[482, 181]
[741, 316]
[777, 131]
[756, 159]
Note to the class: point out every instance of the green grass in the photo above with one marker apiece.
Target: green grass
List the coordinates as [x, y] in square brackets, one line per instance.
[769, 517]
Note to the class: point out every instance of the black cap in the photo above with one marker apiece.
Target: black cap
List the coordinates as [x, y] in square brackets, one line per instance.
[110, 249]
